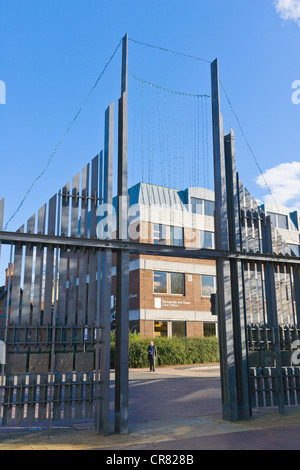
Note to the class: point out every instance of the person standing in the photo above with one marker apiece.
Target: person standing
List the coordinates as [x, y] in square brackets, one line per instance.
[152, 355]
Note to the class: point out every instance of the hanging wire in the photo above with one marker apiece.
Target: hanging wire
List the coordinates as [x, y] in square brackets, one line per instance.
[178, 54]
[174, 140]
[134, 135]
[188, 56]
[167, 89]
[178, 132]
[64, 136]
[167, 124]
[142, 133]
[204, 164]
[247, 143]
[147, 136]
[161, 140]
[207, 159]
[181, 143]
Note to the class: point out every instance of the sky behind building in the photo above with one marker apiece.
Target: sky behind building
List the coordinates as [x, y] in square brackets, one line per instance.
[53, 51]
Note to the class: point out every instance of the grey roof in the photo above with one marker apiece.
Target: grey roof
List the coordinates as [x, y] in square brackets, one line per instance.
[150, 194]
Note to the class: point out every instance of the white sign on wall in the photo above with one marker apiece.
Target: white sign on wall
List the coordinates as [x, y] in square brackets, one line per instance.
[2, 353]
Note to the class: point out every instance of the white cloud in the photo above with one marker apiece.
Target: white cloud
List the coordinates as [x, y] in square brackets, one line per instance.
[288, 9]
[284, 183]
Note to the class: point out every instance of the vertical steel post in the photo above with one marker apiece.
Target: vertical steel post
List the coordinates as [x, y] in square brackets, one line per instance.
[237, 282]
[105, 297]
[223, 268]
[6, 314]
[53, 324]
[272, 313]
[122, 304]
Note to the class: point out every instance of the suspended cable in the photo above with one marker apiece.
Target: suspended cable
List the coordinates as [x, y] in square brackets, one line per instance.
[179, 54]
[247, 143]
[63, 137]
[142, 132]
[204, 163]
[207, 145]
[160, 138]
[181, 143]
[166, 89]
[183, 55]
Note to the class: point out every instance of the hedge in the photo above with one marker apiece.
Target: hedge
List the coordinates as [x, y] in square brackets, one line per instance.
[170, 351]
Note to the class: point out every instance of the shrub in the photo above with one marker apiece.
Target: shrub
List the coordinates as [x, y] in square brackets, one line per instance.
[170, 351]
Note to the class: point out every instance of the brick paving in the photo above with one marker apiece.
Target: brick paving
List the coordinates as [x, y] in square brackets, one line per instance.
[163, 398]
[176, 408]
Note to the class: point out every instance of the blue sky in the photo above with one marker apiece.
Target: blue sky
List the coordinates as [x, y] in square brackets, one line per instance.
[53, 51]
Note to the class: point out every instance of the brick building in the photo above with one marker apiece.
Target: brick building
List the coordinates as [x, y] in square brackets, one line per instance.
[171, 296]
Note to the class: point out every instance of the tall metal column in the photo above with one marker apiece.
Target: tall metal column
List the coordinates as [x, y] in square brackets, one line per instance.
[223, 268]
[106, 265]
[122, 304]
[237, 282]
[272, 313]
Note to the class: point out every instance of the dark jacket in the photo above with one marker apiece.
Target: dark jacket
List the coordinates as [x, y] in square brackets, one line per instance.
[154, 352]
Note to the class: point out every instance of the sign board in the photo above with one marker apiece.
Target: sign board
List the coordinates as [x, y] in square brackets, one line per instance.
[2, 353]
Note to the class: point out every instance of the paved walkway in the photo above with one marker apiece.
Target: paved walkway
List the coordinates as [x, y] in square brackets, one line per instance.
[175, 408]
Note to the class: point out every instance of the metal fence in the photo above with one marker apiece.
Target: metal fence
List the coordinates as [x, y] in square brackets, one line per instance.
[58, 297]
[259, 304]
[57, 312]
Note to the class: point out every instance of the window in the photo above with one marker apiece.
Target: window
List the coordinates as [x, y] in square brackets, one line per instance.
[202, 206]
[282, 221]
[209, 329]
[207, 239]
[160, 328]
[177, 283]
[168, 283]
[279, 220]
[208, 285]
[178, 328]
[159, 234]
[197, 205]
[209, 208]
[176, 236]
[160, 282]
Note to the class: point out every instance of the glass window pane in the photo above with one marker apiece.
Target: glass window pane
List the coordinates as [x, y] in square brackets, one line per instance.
[197, 205]
[178, 328]
[177, 283]
[160, 282]
[206, 239]
[159, 234]
[161, 328]
[207, 285]
[176, 236]
[209, 329]
[209, 208]
[282, 221]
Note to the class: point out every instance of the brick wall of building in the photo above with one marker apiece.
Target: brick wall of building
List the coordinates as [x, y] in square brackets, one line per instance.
[141, 287]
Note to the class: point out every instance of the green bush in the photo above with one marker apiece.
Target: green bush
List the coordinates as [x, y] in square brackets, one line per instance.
[170, 351]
